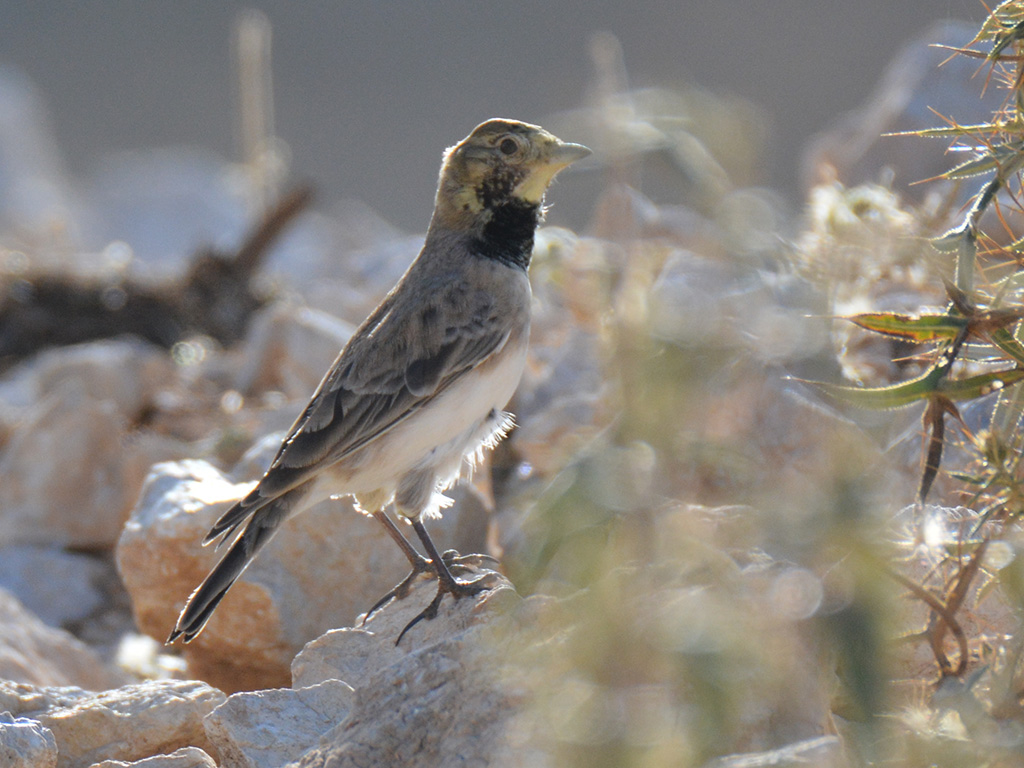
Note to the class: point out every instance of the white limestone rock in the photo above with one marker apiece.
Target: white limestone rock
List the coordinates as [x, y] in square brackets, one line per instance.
[186, 757]
[322, 568]
[68, 592]
[32, 652]
[26, 743]
[127, 723]
[266, 729]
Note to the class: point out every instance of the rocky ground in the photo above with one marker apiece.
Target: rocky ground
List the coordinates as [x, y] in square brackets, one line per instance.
[690, 536]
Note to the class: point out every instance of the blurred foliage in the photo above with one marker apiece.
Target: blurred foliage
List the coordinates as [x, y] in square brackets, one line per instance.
[705, 556]
[727, 553]
[963, 355]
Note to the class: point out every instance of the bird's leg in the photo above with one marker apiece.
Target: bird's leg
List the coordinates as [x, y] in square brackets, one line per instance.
[419, 564]
[446, 583]
[449, 583]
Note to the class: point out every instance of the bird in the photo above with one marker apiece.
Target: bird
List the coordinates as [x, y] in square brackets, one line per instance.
[417, 395]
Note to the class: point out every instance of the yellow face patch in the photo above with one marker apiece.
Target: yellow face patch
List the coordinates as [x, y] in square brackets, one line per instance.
[466, 199]
[502, 162]
[532, 188]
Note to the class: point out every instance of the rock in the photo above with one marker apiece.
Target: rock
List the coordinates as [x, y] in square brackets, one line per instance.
[558, 407]
[254, 462]
[32, 652]
[125, 371]
[322, 569]
[70, 591]
[288, 349]
[127, 723]
[25, 743]
[68, 473]
[266, 729]
[160, 559]
[363, 257]
[439, 698]
[355, 655]
[823, 752]
[162, 204]
[186, 757]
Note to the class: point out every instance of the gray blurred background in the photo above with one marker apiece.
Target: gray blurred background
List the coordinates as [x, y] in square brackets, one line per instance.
[368, 94]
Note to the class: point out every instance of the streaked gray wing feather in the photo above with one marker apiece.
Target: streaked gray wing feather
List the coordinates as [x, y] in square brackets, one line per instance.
[393, 366]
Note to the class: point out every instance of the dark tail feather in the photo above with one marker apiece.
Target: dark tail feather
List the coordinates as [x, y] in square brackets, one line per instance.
[207, 596]
[230, 521]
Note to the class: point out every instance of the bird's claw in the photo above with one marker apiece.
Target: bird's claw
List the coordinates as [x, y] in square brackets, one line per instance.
[457, 564]
[401, 590]
[462, 563]
[456, 589]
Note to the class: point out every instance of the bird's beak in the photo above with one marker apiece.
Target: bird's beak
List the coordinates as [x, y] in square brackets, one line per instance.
[557, 155]
[565, 153]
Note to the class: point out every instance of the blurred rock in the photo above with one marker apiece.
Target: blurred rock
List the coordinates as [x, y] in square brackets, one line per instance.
[822, 752]
[288, 349]
[321, 570]
[162, 205]
[25, 743]
[699, 302]
[145, 658]
[127, 723]
[186, 757]
[32, 652]
[255, 461]
[59, 587]
[794, 452]
[694, 301]
[364, 256]
[127, 372]
[558, 406]
[266, 729]
[72, 467]
[69, 474]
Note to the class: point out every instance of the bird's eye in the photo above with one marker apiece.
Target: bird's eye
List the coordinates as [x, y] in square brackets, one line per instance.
[508, 146]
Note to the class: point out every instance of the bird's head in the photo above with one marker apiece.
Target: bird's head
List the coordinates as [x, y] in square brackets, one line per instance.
[501, 163]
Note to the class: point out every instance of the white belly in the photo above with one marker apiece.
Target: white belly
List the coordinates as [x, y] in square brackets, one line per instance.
[440, 435]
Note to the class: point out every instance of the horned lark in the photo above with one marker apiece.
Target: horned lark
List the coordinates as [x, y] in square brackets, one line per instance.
[418, 391]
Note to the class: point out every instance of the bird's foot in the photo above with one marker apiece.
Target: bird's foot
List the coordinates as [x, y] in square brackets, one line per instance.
[456, 563]
[461, 563]
[401, 590]
[447, 586]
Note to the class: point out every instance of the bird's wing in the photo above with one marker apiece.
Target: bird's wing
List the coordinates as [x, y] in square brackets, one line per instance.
[394, 365]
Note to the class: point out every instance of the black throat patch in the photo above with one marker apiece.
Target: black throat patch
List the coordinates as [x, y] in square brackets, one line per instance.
[508, 235]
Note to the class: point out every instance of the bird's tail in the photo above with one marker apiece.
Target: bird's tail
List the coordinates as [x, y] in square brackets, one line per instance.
[207, 596]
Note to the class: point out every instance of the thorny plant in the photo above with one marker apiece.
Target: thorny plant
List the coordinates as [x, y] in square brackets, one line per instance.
[975, 344]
